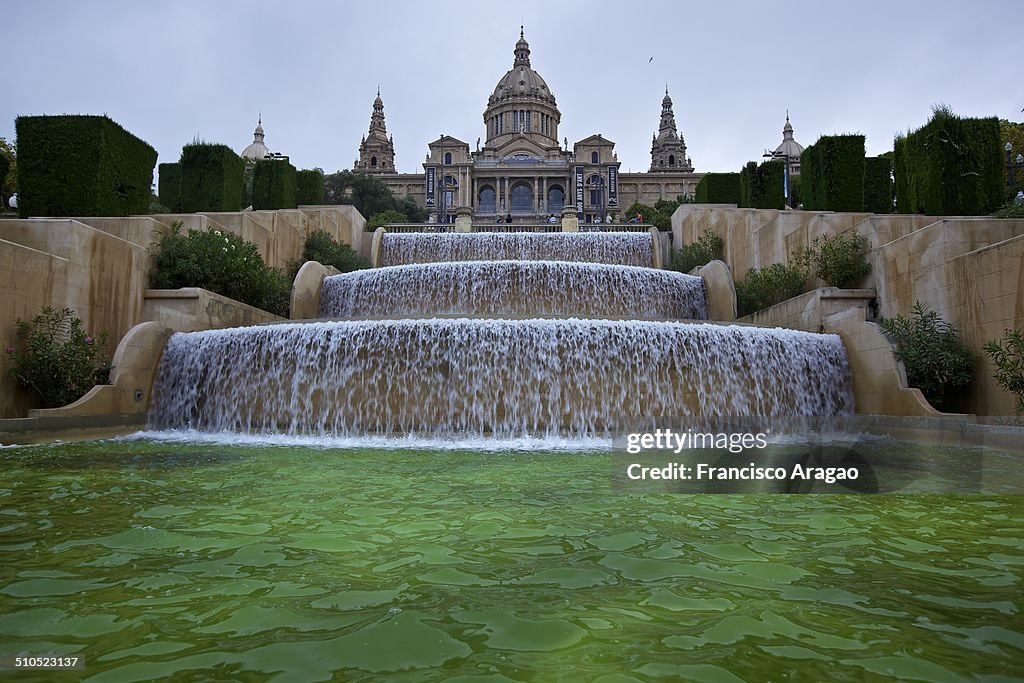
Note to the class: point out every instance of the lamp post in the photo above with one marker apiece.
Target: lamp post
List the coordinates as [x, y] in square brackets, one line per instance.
[1011, 163]
[785, 173]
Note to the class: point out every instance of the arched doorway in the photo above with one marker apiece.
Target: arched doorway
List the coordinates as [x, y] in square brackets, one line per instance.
[487, 201]
[556, 199]
[522, 198]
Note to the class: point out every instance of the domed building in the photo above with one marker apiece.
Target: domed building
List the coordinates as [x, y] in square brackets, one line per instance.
[257, 149]
[521, 168]
[789, 148]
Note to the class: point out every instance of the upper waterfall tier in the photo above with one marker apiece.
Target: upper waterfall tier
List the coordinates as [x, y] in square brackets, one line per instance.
[516, 289]
[619, 248]
[501, 377]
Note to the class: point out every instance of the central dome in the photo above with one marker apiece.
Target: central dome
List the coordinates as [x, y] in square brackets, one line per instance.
[521, 81]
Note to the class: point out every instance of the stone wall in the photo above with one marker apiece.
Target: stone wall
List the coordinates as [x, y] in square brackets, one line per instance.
[970, 270]
[99, 267]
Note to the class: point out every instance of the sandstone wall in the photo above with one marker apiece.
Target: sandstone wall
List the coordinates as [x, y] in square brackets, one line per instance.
[968, 269]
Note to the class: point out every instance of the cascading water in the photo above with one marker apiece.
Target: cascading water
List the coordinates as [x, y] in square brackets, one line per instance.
[516, 289]
[622, 248]
[500, 377]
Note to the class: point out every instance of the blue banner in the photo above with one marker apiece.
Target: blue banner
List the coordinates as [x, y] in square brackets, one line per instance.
[579, 192]
[431, 179]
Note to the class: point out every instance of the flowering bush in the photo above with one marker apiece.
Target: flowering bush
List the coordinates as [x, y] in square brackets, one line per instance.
[222, 263]
[57, 359]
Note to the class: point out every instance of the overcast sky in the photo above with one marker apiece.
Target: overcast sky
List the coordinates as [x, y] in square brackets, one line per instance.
[170, 72]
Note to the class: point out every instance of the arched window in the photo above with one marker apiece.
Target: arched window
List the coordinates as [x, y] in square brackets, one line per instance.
[487, 202]
[373, 162]
[594, 157]
[556, 199]
[671, 159]
[447, 158]
[522, 198]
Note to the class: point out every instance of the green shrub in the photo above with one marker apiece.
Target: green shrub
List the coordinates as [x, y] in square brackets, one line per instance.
[878, 184]
[273, 185]
[320, 246]
[222, 263]
[937, 362]
[309, 187]
[952, 166]
[718, 188]
[81, 166]
[57, 359]
[832, 174]
[1008, 356]
[707, 248]
[170, 187]
[212, 178]
[839, 260]
[763, 187]
[764, 287]
[1011, 210]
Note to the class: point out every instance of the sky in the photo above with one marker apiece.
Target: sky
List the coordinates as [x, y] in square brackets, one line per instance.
[172, 72]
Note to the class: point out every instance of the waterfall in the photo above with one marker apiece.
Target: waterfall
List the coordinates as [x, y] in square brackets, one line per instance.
[500, 377]
[515, 289]
[619, 248]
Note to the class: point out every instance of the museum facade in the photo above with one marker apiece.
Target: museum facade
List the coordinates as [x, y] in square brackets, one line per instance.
[521, 168]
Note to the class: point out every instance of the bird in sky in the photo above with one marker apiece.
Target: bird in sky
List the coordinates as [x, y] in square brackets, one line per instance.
[652, 59]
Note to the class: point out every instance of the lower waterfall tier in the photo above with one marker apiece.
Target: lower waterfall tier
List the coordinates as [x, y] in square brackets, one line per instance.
[500, 377]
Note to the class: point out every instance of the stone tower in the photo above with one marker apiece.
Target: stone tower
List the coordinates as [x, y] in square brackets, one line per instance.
[668, 150]
[376, 149]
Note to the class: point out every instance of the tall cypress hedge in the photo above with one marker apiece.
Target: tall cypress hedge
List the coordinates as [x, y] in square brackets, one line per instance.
[211, 178]
[309, 187]
[952, 166]
[832, 174]
[273, 185]
[73, 165]
[170, 186]
[763, 187]
[718, 188]
[878, 184]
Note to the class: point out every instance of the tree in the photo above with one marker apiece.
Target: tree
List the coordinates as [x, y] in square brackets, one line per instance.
[1014, 134]
[9, 182]
[384, 217]
[369, 195]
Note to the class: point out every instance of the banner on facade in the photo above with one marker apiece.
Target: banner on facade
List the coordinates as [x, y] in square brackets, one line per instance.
[431, 202]
[613, 187]
[579, 192]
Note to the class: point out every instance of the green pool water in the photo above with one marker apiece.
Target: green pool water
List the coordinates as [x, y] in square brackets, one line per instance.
[200, 562]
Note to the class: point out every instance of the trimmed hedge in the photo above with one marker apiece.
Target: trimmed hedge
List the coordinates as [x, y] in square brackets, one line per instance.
[951, 166]
[763, 187]
[878, 184]
[81, 166]
[170, 186]
[309, 187]
[273, 185]
[718, 188]
[211, 178]
[832, 174]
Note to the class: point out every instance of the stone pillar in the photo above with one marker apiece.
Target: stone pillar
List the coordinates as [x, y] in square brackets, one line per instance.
[375, 247]
[536, 193]
[544, 195]
[570, 223]
[463, 219]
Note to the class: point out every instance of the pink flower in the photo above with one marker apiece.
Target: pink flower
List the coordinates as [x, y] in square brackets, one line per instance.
[88, 340]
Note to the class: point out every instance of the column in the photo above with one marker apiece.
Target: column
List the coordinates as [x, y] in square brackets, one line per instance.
[536, 193]
[544, 196]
